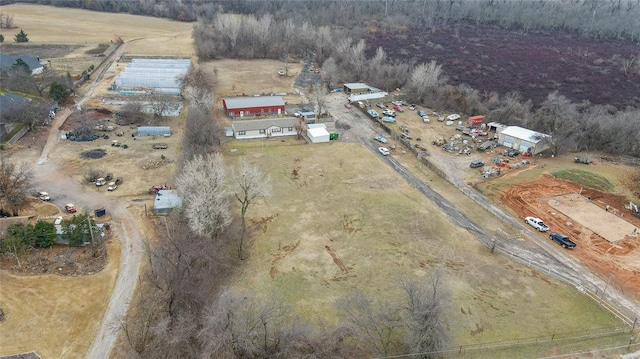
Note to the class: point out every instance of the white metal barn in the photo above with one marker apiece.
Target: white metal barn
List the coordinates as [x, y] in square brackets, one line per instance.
[318, 133]
[159, 75]
[524, 140]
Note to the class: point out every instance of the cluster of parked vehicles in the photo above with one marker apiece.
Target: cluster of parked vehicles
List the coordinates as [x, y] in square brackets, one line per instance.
[559, 238]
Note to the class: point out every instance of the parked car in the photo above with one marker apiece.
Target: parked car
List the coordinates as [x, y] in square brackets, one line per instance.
[425, 119]
[537, 223]
[413, 107]
[112, 187]
[372, 113]
[58, 220]
[70, 208]
[476, 164]
[384, 151]
[453, 117]
[421, 113]
[512, 152]
[380, 139]
[391, 113]
[398, 108]
[381, 105]
[347, 105]
[563, 240]
[388, 119]
[101, 182]
[406, 135]
[398, 103]
[44, 196]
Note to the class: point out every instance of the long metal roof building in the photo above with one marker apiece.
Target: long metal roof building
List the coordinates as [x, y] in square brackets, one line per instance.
[159, 75]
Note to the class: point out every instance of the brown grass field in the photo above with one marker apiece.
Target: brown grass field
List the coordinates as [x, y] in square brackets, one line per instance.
[347, 221]
[339, 226]
[57, 316]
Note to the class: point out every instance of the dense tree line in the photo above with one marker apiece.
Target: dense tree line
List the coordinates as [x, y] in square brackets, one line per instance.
[600, 19]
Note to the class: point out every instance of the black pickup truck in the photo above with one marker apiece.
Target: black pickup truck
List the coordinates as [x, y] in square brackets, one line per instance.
[563, 240]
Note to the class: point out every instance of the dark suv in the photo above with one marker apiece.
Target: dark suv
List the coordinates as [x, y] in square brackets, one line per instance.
[563, 240]
[512, 152]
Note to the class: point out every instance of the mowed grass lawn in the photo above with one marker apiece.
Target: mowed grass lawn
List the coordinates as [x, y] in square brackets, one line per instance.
[340, 219]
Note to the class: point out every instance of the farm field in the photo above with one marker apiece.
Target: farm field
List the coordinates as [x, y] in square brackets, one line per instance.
[533, 64]
[337, 226]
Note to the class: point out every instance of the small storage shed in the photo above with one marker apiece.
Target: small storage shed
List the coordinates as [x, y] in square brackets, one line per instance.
[524, 140]
[318, 133]
[153, 131]
[253, 106]
[356, 87]
[166, 201]
[309, 116]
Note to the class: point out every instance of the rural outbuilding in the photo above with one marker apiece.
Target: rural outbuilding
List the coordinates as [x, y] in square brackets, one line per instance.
[356, 87]
[274, 127]
[318, 133]
[166, 201]
[253, 106]
[524, 140]
[153, 131]
[368, 96]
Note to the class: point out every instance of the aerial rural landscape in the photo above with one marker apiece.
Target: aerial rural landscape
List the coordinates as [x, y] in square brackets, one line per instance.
[283, 179]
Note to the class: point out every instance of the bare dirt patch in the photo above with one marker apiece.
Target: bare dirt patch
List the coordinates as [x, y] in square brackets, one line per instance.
[617, 256]
[59, 259]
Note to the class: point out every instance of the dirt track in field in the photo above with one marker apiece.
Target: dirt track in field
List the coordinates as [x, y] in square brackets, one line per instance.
[620, 258]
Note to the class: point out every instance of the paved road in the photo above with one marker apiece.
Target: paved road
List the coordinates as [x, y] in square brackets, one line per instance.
[536, 252]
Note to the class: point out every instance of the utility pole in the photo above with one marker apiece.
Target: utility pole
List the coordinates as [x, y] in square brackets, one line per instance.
[605, 289]
[90, 229]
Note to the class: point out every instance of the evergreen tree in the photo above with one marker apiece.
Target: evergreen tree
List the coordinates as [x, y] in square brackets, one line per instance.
[58, 92]
[1, 38]
[21, 36]
[21, 65]
[45, 234]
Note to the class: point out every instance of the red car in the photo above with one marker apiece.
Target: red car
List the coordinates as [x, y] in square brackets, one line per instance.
[70, 208]
[347, 105]
[398, 108]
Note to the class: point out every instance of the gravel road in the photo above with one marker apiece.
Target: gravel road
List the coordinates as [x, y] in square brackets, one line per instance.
[534, 251]
[49, 174]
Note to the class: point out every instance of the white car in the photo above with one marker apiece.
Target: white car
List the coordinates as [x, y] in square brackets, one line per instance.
[537, 224]
[454, 117]
[384, 151]
[112, 187]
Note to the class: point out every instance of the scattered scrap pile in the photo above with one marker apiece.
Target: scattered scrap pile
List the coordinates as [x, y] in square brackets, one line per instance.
[83, 133]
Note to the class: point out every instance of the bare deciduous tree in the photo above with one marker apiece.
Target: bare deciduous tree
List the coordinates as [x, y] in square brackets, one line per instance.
[200, 133]
[425, 80]
[202, 184]
[15, 184]
[376, 322]
[252, 184]
[319, 94]
[423, 316]
[244, 326]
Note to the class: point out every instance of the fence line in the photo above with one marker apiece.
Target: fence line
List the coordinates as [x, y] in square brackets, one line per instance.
[633, 161]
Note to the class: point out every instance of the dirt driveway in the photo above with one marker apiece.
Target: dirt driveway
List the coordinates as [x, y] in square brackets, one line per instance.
[355, 126]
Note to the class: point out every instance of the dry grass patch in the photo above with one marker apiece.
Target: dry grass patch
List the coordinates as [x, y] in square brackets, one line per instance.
[346, 220]
[54, 315]
[43, 24]
[251, 77]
